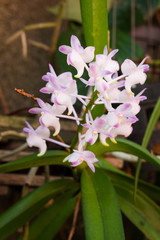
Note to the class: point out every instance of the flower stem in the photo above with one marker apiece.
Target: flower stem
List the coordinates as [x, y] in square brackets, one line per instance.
[80, 127]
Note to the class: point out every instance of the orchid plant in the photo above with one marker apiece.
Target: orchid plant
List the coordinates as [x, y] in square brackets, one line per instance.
[109, 110]
[111, 89]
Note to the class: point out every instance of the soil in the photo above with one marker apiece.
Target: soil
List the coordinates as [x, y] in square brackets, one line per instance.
[15, 72]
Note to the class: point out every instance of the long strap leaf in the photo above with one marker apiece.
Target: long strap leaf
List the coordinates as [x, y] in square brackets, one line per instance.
[151, 125]
[101, 213]
[27, 207]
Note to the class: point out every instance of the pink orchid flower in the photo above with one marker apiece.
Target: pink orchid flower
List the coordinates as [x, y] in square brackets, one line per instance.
[77, 56]
[135, 74]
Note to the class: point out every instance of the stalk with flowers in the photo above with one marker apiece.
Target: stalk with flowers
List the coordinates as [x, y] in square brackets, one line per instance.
[109, 88]
[103, 189]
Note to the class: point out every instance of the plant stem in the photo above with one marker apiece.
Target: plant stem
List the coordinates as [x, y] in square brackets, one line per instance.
[74, 218]
[80, 127]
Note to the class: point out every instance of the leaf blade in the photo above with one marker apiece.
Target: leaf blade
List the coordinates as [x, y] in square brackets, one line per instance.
[127, 146]
[28, 206]
[102, 217]
[144, 213]
[54, 157]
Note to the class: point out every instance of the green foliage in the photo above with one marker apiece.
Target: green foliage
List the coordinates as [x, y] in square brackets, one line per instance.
[123, 43]
[124, 145]
[143, 212]
[101, 212]
[151, 125]
[123, 13]
[54, 216]
[118, 176]
[27, 207]
[49, 158]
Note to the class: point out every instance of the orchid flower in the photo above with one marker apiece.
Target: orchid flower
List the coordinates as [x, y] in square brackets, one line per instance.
[106, 63]
[94, 127]
[117, 122]
[35, 137]
[112, 89]
[63, 88]
[135, 74]
[38, 138]
[79, 156]
[125, 97]
[77, 56]
[123, 129]
[120, 115]
[50, 115]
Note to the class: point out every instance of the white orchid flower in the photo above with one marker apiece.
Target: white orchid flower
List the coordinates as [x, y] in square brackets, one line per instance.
[125, 97]
[50, 115]
[135, 74]
[94, 127]
[38, 138]
[79, 156]
[63, 89]
[35, 137]
[77, 56]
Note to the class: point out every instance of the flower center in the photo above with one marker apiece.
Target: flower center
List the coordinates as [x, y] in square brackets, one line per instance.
[81, 159]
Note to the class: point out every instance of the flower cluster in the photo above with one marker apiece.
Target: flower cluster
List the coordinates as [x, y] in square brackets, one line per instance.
[112, 90]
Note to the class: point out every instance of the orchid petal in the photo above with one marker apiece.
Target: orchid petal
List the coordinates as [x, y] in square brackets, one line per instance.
[63, 99]
[105, 51]
[35, 141]
[35, 110]
[42, 132]
[103, 138]
[65, 49]
[128, 66]
[112, 53]
[88, 54]
[76, 61]
[134, 78]
[52, 70]
[51, 121]
[75, 44]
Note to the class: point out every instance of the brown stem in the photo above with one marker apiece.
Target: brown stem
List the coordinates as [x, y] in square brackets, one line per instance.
[62, 141]
[21, 91]
[76, 210]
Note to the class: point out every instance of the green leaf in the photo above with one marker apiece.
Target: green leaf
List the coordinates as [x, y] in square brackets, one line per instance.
[143, 212]
[27, 207]
[98, 110]
[145, 220]
[117, 175]
[101, 213]
[95, 23]
[123, 13]
[151, 125]
[52, 219]
[123, 43]
[49, 158]
[124, 145]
